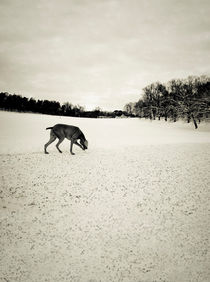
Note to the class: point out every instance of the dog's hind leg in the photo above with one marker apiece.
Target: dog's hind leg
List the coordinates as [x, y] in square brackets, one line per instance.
[52, 139]
[59, 142]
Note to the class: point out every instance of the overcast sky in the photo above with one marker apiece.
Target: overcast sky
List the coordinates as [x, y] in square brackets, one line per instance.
[100, 52]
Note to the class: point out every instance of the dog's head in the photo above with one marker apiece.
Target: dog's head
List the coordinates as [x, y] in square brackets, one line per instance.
[84, 143]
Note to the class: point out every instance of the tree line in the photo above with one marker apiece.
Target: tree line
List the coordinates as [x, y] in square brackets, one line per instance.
[13, 102]
[187, 99]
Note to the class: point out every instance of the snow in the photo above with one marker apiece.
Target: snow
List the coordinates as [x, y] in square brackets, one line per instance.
[21, 133]
[133, 207]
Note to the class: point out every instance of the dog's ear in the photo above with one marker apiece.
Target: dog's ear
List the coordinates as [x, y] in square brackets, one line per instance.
[76, 135]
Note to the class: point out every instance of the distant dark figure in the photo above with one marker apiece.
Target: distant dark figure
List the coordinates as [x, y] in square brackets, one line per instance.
[72, 133]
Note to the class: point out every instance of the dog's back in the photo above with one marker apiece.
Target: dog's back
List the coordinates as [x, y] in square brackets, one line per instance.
[65, 131]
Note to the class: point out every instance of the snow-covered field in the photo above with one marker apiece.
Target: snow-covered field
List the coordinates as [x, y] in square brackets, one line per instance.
[133, 207]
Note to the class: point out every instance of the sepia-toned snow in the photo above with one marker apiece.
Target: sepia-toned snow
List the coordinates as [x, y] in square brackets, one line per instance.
[133, 207]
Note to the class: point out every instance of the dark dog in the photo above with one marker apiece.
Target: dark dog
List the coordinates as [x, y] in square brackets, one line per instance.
[72, 133]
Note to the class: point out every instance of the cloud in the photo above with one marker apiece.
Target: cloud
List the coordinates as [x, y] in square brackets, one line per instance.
[100, 52]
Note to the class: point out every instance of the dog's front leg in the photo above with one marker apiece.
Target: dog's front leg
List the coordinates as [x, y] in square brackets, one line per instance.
[71, 146]
[76, 143]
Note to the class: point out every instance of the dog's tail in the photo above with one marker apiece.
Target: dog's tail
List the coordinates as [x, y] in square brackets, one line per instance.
[53, 131]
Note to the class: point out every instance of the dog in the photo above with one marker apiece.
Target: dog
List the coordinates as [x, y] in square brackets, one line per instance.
[72, 133]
